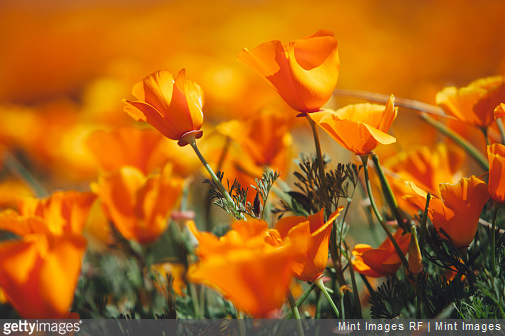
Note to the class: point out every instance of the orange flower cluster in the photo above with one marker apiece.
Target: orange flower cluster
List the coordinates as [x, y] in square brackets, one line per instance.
[47, 256]
[253, 266]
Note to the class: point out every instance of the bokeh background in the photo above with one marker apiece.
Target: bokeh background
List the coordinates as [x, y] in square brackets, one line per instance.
[65, 66]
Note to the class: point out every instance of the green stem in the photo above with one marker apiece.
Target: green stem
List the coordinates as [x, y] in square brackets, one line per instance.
[367, 284]
[223, 191]
[319, 283]
[474, 152]
[493, 239]
[388, 192]
[320, 162]
[499, 122]
[296, 313]
[301, 300]
[364, 159]
[486, 135]
[424, 220]
[353, 281]
[17, 169]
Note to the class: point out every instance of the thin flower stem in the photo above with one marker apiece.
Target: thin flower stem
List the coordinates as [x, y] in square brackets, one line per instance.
[474, 152]
[322, 174]
[16, 168]
[353, 281]
[424, 220]
[493, 238]
[301, 300]
[367, 284]
[486, 135]
[319, 283]
[223, 191]
[364, 158]
[388, 192]
[296, 313]
[499, 122]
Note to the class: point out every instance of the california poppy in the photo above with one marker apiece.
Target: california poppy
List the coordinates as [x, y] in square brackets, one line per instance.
[171, 105]
[359, 128]
[499, 111]
[303, 72]
[380, 261]
[48, 255]
[474, 104]
[139, 206]
[244, 266]
[311, 262]
[496, 156]
[455, 209]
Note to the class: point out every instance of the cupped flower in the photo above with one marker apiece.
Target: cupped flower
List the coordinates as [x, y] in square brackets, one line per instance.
[303, 72]
[244, 266]
[139, 206]
[455, 209]
[383, 260]
[311, 262]
[496, 183]
[47, 256]
[474, 104]
[171, 105]
[359, 128]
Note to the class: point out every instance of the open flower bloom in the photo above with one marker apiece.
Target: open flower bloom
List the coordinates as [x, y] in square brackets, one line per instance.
[496, 156]
[139, 206]
[172, 106]
[311, 262]
[303, 72]
[380, 261]
[359, 128]
[427, 167]
[455, 209]
[39, 272]
[474, 104]
[244, 266]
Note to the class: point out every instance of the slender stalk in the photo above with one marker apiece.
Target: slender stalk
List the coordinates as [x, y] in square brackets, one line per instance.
[364, 159]
[322, 174]
[388, 192]
[493, 238]
[354, 284]
[301, 300]
[474, 152]
[424, 220]
[223, 191]
[16, 168]
[499, 122]
[296, 313]
[319, 283]
[367, 284]
[486, 135]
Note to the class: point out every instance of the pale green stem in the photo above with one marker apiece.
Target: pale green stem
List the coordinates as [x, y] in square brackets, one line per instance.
[388, 192]
[17, 169]
[322, 174]
[493, 239]
[474, 152]
[353, 281]
[499, 122]
[319, 283]
[364, 159]
[223, 191]
[301, 300]
[424, 220]
[486, 135]
[296, 313]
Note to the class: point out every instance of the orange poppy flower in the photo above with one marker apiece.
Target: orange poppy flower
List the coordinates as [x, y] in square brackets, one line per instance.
[474, 104]
[311, 262]
[244, 266]
[359, 128]
[455, 209]
[172, 106]
[47, 257]
[303, 72]
[496, 156]
[139, 206]
[380, 261]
